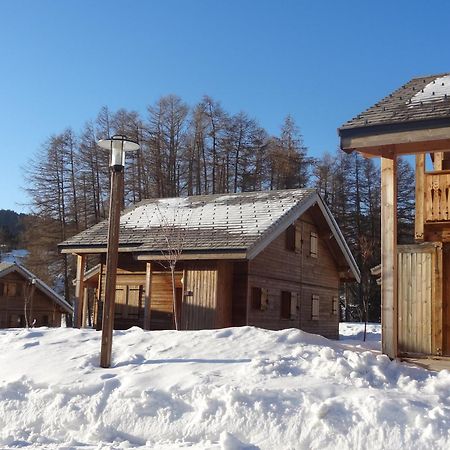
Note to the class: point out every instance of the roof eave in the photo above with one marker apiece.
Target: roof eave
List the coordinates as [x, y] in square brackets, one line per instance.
[399, 138]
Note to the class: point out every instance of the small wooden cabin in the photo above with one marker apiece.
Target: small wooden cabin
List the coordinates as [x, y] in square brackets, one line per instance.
[270, 259]
[24, 297]
[415, 279]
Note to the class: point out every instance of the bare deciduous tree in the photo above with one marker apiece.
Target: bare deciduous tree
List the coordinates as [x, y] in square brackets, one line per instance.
[173, 224]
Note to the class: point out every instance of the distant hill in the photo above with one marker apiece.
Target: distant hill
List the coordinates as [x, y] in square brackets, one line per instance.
[11, 227]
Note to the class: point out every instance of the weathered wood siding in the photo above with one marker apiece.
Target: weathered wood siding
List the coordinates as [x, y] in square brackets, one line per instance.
[420, 299]
[278, 269]
[43, 309]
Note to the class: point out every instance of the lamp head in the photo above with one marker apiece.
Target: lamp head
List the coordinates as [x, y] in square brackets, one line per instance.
[118, 145]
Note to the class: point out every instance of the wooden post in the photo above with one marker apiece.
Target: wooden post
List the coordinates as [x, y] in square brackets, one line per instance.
[85, 307]
[99, 301]
[79, 291]
[389, 295]
[111, 264]
[420, 196]
[148, 296]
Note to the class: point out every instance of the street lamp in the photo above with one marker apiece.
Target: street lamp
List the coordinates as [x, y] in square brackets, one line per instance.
[117, 145]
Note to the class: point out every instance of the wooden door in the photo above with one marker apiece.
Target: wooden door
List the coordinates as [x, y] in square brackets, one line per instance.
[420, 299]
[199, 302]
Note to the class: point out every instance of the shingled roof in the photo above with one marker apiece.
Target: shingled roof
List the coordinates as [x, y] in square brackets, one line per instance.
[232, 223]
[423, 98]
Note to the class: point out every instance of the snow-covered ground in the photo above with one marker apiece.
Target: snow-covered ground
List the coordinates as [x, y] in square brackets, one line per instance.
[236, 388]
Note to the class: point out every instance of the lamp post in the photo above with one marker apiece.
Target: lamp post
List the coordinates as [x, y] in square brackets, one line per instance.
[117, 145]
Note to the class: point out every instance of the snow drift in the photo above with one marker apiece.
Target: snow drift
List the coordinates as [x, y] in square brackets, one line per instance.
[236, 388]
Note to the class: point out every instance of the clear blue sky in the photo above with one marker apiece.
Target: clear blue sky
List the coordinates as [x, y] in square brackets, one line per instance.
[321, 61]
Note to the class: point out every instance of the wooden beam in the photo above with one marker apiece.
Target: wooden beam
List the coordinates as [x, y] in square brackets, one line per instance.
[191, 256]
[148, 296]
[405, 142]
[79, 291]
[389, 297]
[420, 197]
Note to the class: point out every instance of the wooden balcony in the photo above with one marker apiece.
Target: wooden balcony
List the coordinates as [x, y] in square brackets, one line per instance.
[432, 201]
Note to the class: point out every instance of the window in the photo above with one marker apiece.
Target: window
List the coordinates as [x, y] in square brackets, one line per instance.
[285, 311]
[256, 298]
[314, 244]
[290, 238]
[335, 306]
[2, 289]
[315, 307]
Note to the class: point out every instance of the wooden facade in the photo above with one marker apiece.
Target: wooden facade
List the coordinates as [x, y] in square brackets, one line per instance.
[23, 301]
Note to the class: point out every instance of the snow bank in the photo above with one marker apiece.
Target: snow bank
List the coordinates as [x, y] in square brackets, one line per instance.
[235, 388]
[352, 333]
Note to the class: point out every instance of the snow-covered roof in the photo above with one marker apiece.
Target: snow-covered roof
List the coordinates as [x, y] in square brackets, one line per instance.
[421, 99]
[7, 267]
[243, 222]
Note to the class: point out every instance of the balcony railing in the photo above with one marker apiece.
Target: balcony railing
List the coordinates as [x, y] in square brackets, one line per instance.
[437, 196]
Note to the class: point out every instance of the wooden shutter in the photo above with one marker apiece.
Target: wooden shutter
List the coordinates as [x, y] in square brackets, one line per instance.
[298, 238]
[294, 305]
[264, 299]
[314, 244]
[335, 306]
[285, 310]
[315, 307]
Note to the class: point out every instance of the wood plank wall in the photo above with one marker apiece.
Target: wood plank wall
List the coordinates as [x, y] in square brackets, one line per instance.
[277, 269]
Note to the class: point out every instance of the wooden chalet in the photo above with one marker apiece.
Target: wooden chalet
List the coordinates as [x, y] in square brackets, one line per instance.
[23, 294]
[270, 259]
[415, 279]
